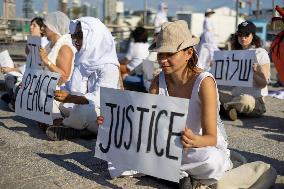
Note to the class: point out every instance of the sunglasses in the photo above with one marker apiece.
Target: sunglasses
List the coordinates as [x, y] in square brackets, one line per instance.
[78, 35]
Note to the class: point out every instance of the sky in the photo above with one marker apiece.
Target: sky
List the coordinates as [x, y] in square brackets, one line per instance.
[174, 5]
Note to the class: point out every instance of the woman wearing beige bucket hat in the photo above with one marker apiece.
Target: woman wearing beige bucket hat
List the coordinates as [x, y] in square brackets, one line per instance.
[205, 155]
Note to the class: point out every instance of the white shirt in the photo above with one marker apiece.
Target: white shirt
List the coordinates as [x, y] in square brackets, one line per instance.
[137, 52]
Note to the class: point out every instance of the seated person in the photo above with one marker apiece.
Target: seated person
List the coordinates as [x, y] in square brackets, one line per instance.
[130, 66]
[14, 75]
[96, 65]
[249, 101]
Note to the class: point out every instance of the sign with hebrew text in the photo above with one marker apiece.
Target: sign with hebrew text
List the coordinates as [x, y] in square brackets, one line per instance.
[142, 132]
[234, 68]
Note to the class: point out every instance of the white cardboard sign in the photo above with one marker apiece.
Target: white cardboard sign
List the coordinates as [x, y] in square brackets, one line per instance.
[35, 97]
[33, 58]
[234, 68]
[142, 132]
[6, 60]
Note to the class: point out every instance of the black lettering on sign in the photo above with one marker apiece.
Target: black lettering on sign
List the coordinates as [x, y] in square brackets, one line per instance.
[38, 99]
[228, 65]
[151, 129]
[27, 83]
[161, 152]
[244, 75]
[130, 107]
[142, 110]
[29, 94]
[48, 95]
[118, 143]
[36, 92]
[105, 150]
[237, 62]
[220, 76]
[171, 133]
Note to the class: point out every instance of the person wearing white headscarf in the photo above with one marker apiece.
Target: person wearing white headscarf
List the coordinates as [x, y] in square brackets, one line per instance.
[60, 53]
[96, 65]
[161, 16]
[207, 44]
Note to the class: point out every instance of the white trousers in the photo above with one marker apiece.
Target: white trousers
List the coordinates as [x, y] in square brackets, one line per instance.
[206, 164]
[80, 116]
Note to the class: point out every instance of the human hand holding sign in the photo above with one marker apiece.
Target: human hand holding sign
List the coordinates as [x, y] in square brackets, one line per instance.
[188, 138]
[61, 96]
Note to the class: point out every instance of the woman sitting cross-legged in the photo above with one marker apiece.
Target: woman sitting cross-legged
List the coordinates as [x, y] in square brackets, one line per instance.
[205, 156]
[96, 65]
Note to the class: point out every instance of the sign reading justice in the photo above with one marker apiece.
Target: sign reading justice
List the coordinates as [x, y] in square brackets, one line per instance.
[234, 68]
[142, 132]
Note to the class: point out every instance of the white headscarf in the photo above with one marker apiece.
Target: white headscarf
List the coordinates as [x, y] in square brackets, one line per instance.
[98, 46]
[98, 49]
[57, 22]
[161, 16]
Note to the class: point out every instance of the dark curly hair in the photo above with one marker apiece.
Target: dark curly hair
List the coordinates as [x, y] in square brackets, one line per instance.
[256, 41]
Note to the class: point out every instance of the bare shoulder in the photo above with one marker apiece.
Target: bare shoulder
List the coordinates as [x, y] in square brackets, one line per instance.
[154, 88]
[208, 86]
[66, 49]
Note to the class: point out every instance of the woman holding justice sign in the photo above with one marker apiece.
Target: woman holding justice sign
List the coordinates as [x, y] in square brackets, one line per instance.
[96, 65]
[249, 101]
[205, 155]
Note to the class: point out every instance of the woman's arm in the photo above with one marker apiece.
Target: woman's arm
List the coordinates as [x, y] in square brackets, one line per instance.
[260, 74]
[8, 69]
[63, 62]
[64, 96]
[208, 99]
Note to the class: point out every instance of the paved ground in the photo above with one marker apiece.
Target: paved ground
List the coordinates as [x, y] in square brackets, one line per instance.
[29, 160]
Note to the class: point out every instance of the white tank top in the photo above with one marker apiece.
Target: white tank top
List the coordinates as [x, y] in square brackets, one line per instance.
[194, 112]
[53, 52]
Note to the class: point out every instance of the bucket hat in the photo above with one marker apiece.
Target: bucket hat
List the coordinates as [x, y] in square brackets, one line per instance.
[174, 37]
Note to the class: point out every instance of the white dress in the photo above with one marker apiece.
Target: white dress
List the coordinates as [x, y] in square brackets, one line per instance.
[208, 163]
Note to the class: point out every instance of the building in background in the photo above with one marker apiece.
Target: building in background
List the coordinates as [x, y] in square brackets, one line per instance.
[28, 9]
[63, 6]
[89, 10]
[109, 11]
[9, 9]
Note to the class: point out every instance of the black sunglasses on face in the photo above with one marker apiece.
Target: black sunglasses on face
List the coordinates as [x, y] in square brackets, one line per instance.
[78, 35]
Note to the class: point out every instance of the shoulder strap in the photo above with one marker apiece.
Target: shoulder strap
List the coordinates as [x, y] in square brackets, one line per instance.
[163, 90]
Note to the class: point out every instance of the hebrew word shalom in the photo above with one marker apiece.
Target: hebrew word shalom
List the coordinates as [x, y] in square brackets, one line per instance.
[33, 59]
[142, 132]
[35, 97]
[234, 68]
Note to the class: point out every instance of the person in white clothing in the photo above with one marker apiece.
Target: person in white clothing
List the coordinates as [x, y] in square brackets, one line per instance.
[207, 44]
[161, 16]
[96, 65]
[249, 101]
[131, 65]
[60, 54]
[205, 155]
[13, 76]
